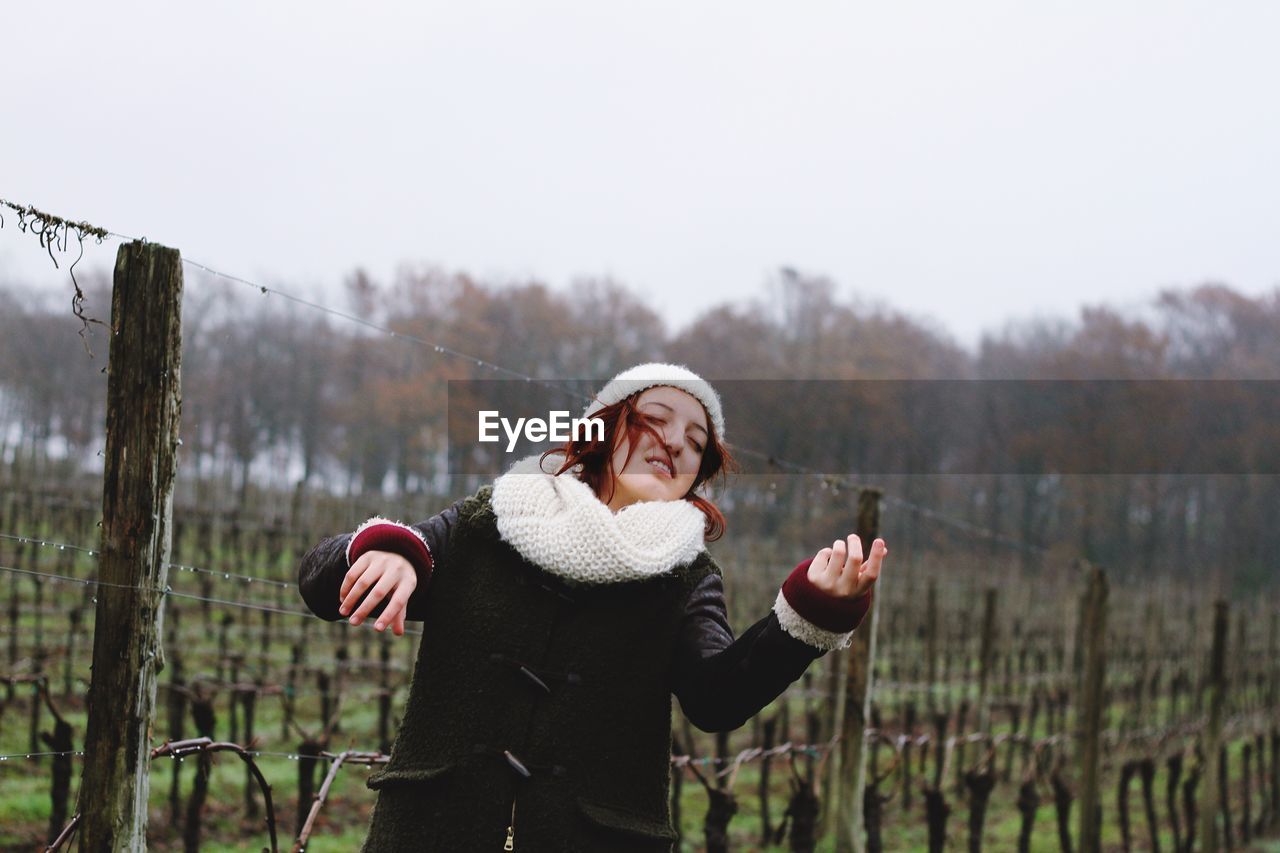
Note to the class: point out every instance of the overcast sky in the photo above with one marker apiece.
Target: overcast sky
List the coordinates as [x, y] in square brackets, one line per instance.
[967, 162]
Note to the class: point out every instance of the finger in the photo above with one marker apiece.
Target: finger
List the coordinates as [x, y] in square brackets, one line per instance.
[395, 607]
[353, 573]
[847, 577]
[377, 595]
[384, 585]
[839, 554]
[398, 625]
[878, 551]
[818, 565]
[870, 571]
[855, 552]
[366, 579]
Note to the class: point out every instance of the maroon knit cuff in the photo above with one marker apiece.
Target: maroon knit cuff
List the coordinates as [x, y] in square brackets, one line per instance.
[396, 538]
[824, 610]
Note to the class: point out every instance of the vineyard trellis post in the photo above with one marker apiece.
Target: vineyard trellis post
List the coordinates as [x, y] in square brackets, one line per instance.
[986, 652]
[1211, 744]
[143, 411]
[848, 772]
[931, 644]
[1273, 701]
[1093, 685]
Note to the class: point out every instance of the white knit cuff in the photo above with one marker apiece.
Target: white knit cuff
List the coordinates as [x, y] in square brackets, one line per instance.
[805, 631]
[377, 519]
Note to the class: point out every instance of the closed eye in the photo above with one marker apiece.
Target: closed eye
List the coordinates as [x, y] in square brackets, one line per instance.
[658, 421]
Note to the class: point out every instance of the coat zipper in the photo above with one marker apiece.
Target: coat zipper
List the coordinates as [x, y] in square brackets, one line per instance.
[511, 829]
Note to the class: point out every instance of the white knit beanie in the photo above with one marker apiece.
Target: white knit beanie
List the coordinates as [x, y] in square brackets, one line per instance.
[642, 376]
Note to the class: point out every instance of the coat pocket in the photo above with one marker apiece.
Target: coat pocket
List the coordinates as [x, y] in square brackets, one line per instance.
[626, 829]
[407, 775]
[411, 810]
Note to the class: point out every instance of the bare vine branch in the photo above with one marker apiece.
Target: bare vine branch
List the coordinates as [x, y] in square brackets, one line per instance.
[55, 233]
[179, 748]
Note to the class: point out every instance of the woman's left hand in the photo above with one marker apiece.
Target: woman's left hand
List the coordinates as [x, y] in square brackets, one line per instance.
[840, 570]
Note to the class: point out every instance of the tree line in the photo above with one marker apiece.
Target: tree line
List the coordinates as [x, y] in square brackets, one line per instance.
[280, 397]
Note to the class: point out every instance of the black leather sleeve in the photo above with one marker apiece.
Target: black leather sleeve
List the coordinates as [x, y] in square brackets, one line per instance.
[722, 682]
[322, 569]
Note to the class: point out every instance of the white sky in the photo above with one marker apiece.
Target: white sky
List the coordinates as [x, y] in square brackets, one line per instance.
[969, 162]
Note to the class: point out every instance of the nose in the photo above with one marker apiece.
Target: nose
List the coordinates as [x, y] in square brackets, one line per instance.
[673, 445]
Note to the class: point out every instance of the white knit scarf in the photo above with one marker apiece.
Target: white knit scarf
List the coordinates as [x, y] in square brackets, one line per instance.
[559, 525]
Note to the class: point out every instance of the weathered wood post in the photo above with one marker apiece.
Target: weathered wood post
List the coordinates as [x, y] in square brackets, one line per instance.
[1094, 636]
[931, 675]
[1212, 737]
[144, 398]
[848, 776]
[986, 653]
[931, 644]
[1273, 701]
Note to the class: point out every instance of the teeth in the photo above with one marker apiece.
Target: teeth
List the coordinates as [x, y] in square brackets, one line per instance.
[658, 463]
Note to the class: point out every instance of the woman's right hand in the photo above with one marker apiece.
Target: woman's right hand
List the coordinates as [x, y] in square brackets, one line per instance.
[380, 573]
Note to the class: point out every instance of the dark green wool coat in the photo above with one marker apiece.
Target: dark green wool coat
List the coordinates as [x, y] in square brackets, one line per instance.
[534, 693]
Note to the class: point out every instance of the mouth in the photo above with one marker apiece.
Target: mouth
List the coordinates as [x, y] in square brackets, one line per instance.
[661, 466]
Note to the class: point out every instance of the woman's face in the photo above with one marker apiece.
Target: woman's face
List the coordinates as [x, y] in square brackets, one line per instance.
[660, 471]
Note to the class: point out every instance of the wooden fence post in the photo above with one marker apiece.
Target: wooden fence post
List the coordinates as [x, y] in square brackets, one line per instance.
[986, 653]
[1211, 745]
[1094, 636]
[848, 776]
[143, 409]
[931, 644]
[1273, 692]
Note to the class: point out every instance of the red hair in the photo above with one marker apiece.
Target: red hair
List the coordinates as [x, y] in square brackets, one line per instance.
[594, 456]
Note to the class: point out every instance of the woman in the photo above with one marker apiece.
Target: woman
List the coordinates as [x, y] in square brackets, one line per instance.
[562, 606]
